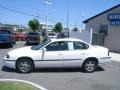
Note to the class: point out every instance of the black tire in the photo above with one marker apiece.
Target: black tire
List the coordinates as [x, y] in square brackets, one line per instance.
[24, 65]
[10, 45]
[90, 66]
[27, 43]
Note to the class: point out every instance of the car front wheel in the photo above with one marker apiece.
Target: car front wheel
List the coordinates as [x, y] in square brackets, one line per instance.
[90, 66]
[24, 65]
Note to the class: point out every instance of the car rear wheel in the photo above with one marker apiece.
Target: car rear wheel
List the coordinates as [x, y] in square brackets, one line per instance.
[10, 45]
[24, 65]
[90, 66]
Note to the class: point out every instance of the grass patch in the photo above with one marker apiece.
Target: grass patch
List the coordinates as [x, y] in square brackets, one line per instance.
[16, 86]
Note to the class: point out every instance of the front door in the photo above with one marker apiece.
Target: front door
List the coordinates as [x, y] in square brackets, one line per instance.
[53, 56]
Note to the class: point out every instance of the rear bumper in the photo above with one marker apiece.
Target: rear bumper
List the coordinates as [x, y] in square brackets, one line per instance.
[104, 60]
[10, 63]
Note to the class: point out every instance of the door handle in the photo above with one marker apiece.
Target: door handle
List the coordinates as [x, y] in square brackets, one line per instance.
[60, 54]
[82, 53]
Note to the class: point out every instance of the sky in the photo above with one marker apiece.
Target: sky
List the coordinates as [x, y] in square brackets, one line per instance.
[14, 11]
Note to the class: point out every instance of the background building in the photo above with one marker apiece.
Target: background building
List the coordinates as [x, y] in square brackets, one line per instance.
[9, 27]
[50, 27]
[107, 23]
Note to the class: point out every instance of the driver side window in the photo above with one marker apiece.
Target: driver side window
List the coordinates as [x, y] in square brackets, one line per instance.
[57, 46]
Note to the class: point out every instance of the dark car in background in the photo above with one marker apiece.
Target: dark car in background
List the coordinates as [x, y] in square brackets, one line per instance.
[51, 35]
[63, 35]
[32, 38]
[6, 37]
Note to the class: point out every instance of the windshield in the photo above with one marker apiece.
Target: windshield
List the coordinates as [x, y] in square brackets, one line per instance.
[5, 32]
[37, 47]
[51, 34]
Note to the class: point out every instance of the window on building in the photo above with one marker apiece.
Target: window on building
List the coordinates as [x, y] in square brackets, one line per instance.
[104, 29]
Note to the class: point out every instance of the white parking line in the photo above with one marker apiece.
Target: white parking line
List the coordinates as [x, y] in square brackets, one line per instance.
[23, 81]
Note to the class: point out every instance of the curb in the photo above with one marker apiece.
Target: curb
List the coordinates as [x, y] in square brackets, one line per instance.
[23, 81]
[115, 56]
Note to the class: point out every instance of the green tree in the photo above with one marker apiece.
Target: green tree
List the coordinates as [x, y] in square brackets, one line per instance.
[58, 28]
[34, 25]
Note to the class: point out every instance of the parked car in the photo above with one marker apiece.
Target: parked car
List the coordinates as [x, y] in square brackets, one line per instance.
[19, 36]
[33, 38]
[58, 53]
[63, 35]
[51, 35]
[6, 37]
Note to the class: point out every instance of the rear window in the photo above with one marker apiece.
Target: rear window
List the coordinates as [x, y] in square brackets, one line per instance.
[51, 34]
[33, 33]
[5, 32]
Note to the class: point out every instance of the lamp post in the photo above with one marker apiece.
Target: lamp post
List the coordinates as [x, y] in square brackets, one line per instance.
[47, 3]
[68, 17]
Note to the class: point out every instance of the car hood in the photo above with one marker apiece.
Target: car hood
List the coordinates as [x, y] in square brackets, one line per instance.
[21, 51]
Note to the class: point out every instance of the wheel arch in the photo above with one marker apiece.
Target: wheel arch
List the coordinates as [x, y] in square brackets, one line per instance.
[91, 58]
[26, 58]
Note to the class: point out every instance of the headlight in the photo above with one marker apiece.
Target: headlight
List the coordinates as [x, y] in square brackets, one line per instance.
[7, 56]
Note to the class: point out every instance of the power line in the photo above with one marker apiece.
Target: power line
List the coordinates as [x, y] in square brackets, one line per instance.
[15, 3]
[20, 12]
[24, 13]
[33, 9]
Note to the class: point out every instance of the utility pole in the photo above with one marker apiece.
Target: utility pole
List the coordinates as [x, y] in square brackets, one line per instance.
[68, 17]
[82, 19]
[37, 16]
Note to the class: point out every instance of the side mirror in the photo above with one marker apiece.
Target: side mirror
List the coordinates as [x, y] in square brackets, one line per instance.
[44, 50]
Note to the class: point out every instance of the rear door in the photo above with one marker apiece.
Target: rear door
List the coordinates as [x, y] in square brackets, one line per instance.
[76, 53]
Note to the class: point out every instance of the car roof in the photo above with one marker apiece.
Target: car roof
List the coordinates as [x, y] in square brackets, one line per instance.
[67, 39]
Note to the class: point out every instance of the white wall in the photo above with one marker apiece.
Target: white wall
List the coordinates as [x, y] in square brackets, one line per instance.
[84, 35]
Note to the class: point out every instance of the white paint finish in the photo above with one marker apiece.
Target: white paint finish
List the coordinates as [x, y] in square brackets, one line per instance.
[10, 64]
[68, 58]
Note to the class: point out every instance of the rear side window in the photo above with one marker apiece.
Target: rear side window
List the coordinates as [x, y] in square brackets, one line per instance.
[80, 45]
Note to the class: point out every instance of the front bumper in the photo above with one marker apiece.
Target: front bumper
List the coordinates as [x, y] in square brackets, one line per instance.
[10, 63]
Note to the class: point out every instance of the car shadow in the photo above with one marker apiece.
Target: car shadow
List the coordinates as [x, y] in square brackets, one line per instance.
[6, 69]
[52, 70]
[65, 70]
[4, 46]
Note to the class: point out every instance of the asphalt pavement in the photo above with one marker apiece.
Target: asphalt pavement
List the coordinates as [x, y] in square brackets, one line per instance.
[105, 78]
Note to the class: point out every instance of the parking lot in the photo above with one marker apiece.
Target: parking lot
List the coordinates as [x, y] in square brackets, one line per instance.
[105, 78]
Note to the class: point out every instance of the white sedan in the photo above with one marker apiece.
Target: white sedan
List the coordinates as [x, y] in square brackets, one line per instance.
[58, 53]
